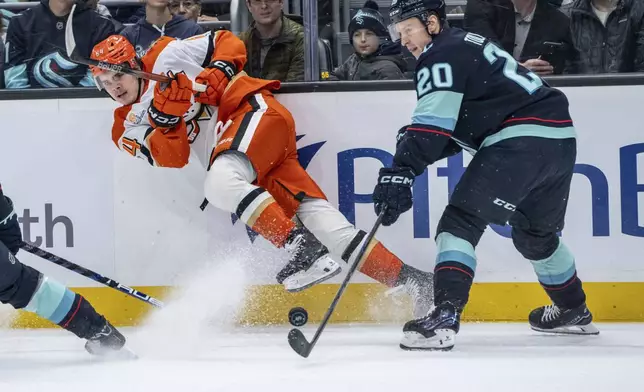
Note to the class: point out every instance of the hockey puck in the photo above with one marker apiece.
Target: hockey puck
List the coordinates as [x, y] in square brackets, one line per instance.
[298, 317]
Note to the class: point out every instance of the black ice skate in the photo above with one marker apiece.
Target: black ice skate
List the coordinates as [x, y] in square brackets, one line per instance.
[419, 285]
[108, 342]
[436, 331]
[310, 262]
[553, 319]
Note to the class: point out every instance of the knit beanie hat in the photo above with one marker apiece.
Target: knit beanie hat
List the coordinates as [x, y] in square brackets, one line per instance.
[368, 18]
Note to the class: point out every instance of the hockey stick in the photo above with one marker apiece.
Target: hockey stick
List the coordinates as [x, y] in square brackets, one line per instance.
[90, 274]
[296, 338]
[72, 53]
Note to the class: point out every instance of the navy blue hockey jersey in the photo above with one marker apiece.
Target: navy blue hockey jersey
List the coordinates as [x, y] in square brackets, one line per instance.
[473, 93]
[35, 48]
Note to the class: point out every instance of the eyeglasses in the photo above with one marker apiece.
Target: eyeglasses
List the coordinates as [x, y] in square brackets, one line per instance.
[186, 4]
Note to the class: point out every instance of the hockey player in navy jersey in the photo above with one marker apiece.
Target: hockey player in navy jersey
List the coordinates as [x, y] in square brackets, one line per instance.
[474, 96]
[23, 287]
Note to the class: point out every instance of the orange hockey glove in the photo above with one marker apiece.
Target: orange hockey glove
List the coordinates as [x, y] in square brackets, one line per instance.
[171, 101]
[216, 77]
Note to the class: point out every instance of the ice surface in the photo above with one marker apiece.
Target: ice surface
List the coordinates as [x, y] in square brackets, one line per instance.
[193, 345]
[488, 357]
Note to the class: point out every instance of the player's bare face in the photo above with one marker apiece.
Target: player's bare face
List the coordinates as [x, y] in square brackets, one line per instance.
[122, 87]
[413, 35]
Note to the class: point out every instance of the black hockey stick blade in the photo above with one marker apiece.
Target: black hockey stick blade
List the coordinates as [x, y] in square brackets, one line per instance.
[296, 338]
[298, 343]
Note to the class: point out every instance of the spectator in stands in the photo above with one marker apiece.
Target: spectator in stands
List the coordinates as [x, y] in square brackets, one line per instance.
[609, 34]
[158, 21]
[535, 32]
[189, 9]
[36, 45]
[275, 44]
[375, 57]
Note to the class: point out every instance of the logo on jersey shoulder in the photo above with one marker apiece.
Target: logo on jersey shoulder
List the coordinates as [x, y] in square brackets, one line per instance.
[135, 118]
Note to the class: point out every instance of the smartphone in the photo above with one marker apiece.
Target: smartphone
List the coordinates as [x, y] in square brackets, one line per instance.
[555, 54]
[553, 47]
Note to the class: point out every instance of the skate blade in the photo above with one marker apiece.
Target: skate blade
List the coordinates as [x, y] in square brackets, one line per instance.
[124, 354]
[442, 341]
[588, 329]
[302, 280]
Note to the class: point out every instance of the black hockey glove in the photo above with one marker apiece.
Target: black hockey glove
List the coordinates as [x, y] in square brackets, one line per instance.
[394, 192]
[10, 234]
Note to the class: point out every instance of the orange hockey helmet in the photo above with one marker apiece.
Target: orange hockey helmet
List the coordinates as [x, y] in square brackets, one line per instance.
[115, 49]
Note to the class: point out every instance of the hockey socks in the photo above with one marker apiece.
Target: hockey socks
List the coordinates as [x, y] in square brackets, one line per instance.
[454, 270]
[452, 283]
[61, 306]
[558, 276]
[568, 295]
[82, 320]
[381, 265]
[262, 213]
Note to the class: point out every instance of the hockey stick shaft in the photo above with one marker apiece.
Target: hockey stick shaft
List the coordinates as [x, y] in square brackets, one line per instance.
[343, 286]
[70, 47]
[90, 274]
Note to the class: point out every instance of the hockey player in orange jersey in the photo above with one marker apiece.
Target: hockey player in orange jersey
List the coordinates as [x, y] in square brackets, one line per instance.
[249, 149]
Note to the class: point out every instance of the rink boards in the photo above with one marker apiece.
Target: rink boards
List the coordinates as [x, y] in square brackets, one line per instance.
[78, 197]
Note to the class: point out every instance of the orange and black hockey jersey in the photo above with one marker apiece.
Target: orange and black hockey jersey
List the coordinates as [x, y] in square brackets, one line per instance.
[132, 131]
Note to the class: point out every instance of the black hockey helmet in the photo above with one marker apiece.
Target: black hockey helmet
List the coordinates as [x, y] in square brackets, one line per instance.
[405, 9]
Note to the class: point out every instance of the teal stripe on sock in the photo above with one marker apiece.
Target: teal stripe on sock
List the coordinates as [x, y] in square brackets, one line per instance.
[63, 308]
[47, 298]
[454, 255]
[453, 248]
[558, 278]
[556, 269]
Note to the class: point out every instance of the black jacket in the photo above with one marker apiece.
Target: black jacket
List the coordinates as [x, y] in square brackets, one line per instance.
[36, 41]
[618, 47]
[495, 19]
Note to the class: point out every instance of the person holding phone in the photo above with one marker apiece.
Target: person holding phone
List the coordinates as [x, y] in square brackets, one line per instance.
[535, 32]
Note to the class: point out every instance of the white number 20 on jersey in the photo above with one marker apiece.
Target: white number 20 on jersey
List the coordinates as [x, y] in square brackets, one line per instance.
[440, 75]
